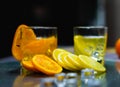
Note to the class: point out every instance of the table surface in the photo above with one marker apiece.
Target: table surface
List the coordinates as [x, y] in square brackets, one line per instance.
[10, 72]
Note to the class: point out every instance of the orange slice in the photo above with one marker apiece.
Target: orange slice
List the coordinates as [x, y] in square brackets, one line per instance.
[20, 35]
[27, 64]
[46, 65]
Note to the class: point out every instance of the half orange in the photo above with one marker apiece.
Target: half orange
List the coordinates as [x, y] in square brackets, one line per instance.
[22, 32]
[46, 65]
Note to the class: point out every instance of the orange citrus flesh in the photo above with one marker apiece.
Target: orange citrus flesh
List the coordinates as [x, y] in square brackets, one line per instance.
[21, 33]
[27, 64]
[117, 47]
[46, 65]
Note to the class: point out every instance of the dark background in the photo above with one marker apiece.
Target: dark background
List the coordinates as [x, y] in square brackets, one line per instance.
[65, 14]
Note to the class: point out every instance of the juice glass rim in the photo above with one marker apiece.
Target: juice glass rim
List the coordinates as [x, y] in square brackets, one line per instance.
[43, 27]
[91, 27]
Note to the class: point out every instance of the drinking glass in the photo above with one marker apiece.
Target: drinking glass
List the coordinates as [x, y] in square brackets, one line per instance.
[90, 41]
[39, 40]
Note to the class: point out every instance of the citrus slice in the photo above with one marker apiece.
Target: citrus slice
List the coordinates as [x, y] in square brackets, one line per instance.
[63, 56]
[21, 33]
[74, 59]
[88, 62]
[46, 65]
[56, 52]
[63, 64]
[27, 64]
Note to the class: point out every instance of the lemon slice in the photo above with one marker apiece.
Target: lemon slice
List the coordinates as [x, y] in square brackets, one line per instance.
[88, 62]
[60, 62]
[56, 52]
[68, 63]
[74, 59]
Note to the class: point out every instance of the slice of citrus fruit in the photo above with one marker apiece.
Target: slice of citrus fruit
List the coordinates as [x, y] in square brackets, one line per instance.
[88, 62]
[60, 62]
[56, 52]
[28, 64]
[46, 65]
[63, 56]
[74, 59]
[21, 33]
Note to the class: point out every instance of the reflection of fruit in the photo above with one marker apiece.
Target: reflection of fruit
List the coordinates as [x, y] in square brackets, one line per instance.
[117, 47]
[22, 81]
[46, 65]
[88, 62]
[117, 64]
[21, 34]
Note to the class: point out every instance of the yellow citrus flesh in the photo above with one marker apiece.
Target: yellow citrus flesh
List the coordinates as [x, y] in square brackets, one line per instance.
[56, 52]
[74, 59]
[63, 64]
[63, 56]
[88, 62]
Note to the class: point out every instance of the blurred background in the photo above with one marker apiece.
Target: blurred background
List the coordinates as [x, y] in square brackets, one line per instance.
[65, 14]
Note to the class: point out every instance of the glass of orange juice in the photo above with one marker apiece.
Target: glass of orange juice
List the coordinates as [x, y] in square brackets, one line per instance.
[29, 41]
[38, 40]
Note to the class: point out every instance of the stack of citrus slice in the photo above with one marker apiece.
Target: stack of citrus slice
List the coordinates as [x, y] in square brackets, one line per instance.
[42, 63]
[73, 62]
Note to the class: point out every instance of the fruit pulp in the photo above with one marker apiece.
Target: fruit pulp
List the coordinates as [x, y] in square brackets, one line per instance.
[94, 46]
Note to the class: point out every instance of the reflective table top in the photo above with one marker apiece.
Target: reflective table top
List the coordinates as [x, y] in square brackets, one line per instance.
[11, 75]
